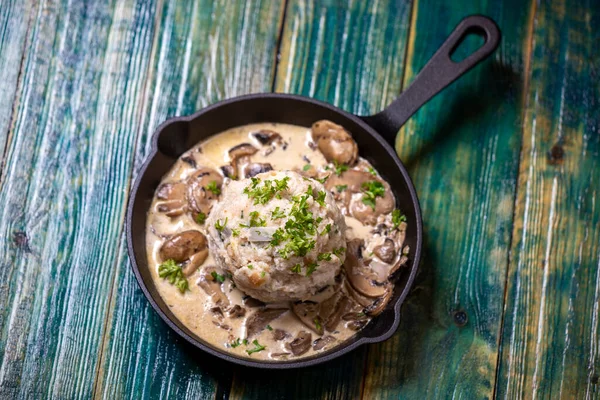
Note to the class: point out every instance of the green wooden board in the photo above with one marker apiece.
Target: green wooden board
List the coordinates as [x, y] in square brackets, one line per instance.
[551, 331]
[83, 85]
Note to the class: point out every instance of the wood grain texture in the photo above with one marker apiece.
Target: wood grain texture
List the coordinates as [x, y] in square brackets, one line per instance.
[462, 150]
[350, 54]
[63, 195]
[551, 336]
[204, 51]
[15, 16]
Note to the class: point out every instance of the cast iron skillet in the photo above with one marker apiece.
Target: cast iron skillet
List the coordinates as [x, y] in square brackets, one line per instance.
[375, 136]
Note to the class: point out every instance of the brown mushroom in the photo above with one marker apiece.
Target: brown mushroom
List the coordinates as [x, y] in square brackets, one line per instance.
[380, 303]
[260, 319]
[308, 313]
[357, 325]
[359, 276]
[228, 171]
[254, 169]
[341, 308]
[212, 287]
[173, 202]
[266, 136]
[236, 311]
[323, 342]
[334, 142]
[252, 302]
[240, 155]
[199, 194]
[301, 344]
[386, 251]
[190, 246]
[354, 180]
[280, 334]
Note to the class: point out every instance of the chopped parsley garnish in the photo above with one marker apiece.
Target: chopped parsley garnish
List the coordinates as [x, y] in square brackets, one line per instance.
[341, 188]
[235, 343]
[339, 251]
[297, 268]
[326, 230]
[317, 322]
[262, 194]
[250, 266]
[277, 213]
[255, 221]
[310, 268]
[174, 274]
[257, 347]
[306, 167]
[200, 218]
[397, 218]
[320, 198]
[235, 232]
[322, 180]
[262, 274]
[220, 225]
[212, 186]
[245, 342]
[372, 190]
[340, 168]
[269, 327]
[324, 257]
[372, 171]
[218, 277]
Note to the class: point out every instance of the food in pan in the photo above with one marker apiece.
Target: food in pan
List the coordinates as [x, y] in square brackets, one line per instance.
[275, 241]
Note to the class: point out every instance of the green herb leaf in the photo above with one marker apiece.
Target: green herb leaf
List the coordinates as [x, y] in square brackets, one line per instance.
[220, 225]
[277, 213]
[326, 230]
[212, 186]
[324, 257]
[340, 168]
[269, 327]
[372, 171]
[320, 198]
[306, 167]
[217, 277]
[341, 188]
[322, 180]
[310, 268]
[200, 218]
[235, 232]
[297, 268]
[257, 347]
[339, 251]
[371, 190]
[174, 274]
[245, 342]
[235, 343]
[318, 325]
[397, 218]
[262, 194]
[250, 266]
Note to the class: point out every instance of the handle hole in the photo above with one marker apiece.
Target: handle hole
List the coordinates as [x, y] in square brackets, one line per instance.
[471, 41]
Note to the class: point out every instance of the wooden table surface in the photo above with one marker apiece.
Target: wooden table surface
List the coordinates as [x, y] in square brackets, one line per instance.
[506, 162]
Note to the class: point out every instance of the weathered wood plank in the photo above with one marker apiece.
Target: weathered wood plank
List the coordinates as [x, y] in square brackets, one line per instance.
[64, 191]
[551, 333]
[15, 18]
[352, 55]
[205, 51]
[462, 150]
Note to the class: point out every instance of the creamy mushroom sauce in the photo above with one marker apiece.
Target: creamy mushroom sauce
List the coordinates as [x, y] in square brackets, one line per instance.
[194, 307]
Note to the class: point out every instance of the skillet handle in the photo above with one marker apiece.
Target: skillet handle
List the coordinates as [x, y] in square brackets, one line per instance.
[438, 73]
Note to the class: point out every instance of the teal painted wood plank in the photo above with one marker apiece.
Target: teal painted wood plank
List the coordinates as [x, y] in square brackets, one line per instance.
[15, 18]
[63, 195]
[205, 51]
[462, 150]
[551, 333]
[352, 55]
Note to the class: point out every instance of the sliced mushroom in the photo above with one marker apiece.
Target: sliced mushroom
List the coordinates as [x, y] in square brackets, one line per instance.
[361, 301]
[182, 246]
[252, 302]
[200, 198]
[195, 262]
[301, 344]
[266, 136]
[354, 180]
[260, 319]
[280, 334]
[173, 202]
[359, 276]
[228, 171]
[334, 142]
[341, 308]
[236, 311]
[212, 287]
[323, 342]
[379, 304]
[308, 313]
[386, 251]
[240, 155]
[254, 169]
[357, 325]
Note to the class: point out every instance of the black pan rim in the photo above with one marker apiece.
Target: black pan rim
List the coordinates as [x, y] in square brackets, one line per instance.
[311, 361]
